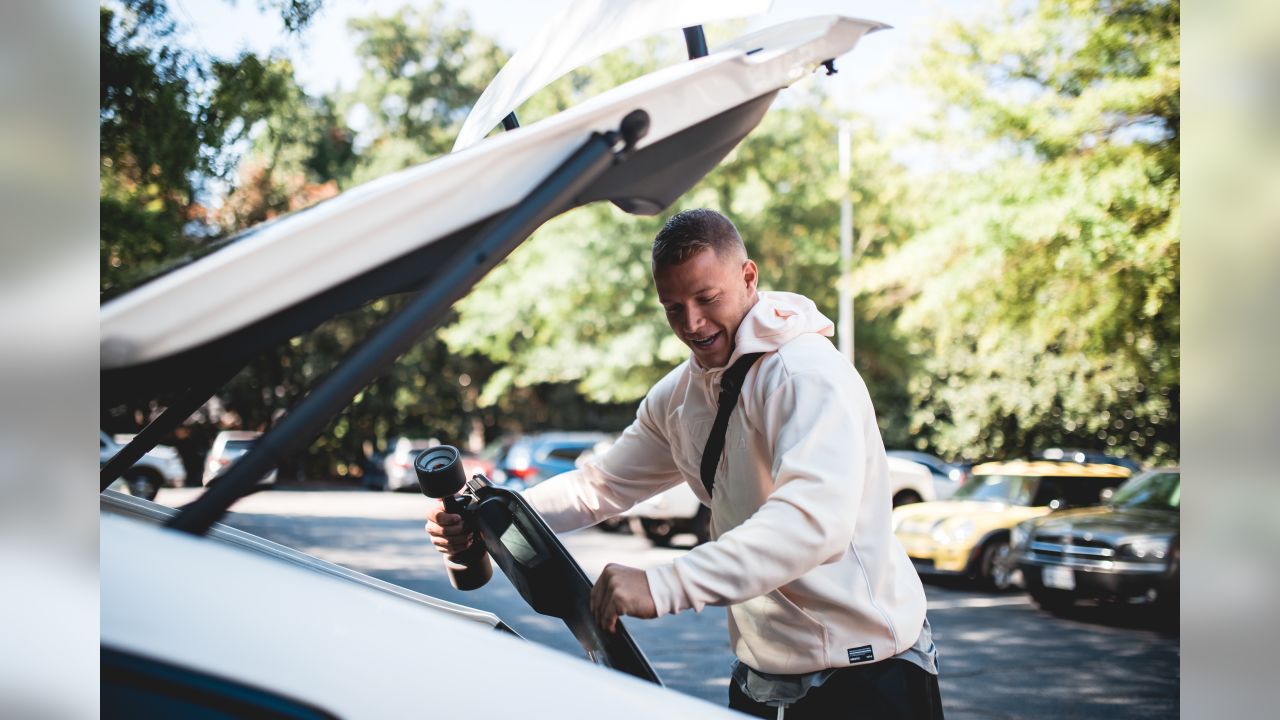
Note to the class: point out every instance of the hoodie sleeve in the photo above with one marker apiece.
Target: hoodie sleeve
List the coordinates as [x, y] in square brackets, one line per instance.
[814, 424]
[636, 467]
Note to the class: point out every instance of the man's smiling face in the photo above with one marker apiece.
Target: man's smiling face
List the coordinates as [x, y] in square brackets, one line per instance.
[705, 298]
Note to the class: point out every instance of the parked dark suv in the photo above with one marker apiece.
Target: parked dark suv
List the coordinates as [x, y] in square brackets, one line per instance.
[527, 460]
[1128, 548]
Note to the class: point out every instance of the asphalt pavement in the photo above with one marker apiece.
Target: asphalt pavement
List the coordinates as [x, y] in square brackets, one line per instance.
[999, 656]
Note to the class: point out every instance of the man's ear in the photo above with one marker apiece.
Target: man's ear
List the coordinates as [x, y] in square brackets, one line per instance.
[750, 275]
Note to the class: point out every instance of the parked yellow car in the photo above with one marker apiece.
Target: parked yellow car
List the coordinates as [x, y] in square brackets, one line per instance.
[969, 533]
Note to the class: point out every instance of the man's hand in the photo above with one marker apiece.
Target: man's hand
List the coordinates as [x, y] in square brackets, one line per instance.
[447, 532]
[621, 590]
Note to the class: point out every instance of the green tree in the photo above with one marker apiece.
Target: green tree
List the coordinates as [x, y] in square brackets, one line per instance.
[422, 70]
[576, 303]
[168, 119]
[300, 151]
[1042, 293]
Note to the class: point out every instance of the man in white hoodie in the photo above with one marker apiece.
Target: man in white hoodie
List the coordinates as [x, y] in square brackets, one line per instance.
[826, 612]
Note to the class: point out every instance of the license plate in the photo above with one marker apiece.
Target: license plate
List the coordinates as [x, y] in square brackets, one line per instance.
[1061, 578]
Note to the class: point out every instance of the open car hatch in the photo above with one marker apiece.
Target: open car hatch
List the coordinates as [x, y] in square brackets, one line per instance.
[396, 234]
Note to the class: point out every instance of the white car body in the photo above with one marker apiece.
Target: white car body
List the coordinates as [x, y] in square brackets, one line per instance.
[680, 504]
[267, 622]
[908, 478]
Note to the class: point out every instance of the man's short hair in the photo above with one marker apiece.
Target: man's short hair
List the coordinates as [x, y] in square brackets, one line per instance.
[691, 231]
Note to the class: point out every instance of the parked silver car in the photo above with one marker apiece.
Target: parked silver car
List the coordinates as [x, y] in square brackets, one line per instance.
[399, 463]
[229, 446]
[160, 467]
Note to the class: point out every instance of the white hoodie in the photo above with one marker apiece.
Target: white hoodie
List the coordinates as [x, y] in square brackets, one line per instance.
[804, 553]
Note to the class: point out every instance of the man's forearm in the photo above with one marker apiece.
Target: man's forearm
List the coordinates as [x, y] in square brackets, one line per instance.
[560, 502]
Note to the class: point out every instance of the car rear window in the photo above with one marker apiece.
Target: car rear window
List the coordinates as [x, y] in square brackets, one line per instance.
[566, 453]
[1035, 491]
[1072, 491]
[133, 686]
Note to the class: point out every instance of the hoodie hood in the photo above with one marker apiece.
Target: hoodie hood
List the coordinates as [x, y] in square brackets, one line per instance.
[776, 319]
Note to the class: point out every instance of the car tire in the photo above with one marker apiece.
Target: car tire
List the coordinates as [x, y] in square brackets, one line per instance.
[995, 568]
[1051, 601]
[906, 497]
[658, 531]
[700, 526]
[613, 525]
[142, 484]
[1168, 601]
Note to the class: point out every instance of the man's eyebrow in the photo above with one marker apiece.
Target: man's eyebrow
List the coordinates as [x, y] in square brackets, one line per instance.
[703, 291]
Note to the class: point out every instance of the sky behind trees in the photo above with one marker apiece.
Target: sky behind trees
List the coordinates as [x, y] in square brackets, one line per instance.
[325, 57]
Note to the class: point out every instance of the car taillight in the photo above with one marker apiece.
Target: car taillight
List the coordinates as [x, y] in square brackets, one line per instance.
[523, 473]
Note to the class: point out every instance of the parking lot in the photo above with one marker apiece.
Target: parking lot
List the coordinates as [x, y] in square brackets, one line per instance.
[1000, 656]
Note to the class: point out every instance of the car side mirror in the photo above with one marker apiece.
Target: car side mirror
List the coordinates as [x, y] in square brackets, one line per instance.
[1107, 494]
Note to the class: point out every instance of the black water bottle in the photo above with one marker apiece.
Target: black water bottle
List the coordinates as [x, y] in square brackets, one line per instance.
[441, 476]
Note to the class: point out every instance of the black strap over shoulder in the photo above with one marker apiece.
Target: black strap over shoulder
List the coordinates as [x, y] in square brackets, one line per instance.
[730, 388]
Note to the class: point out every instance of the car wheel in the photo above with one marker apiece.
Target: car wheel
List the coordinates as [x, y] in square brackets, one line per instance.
[1167, 605]
[1051, 601]
[613, 525]
[701, 525]
[906, 497]
[142, 484]
[659, 532]
[997, 564]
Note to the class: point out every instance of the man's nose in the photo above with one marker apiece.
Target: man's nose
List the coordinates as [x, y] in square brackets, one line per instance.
[693, 319]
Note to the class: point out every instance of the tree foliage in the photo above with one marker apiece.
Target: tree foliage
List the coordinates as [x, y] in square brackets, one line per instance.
[1043, 294]
[421, 74]
[592, 317]
[169, 120]
[422, 70]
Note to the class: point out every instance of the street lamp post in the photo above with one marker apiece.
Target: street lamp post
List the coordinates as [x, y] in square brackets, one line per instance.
[844, 321]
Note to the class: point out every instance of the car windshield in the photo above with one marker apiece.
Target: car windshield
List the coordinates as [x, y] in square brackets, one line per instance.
[1158, 490]
[1012, 489]
[1035, 491]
